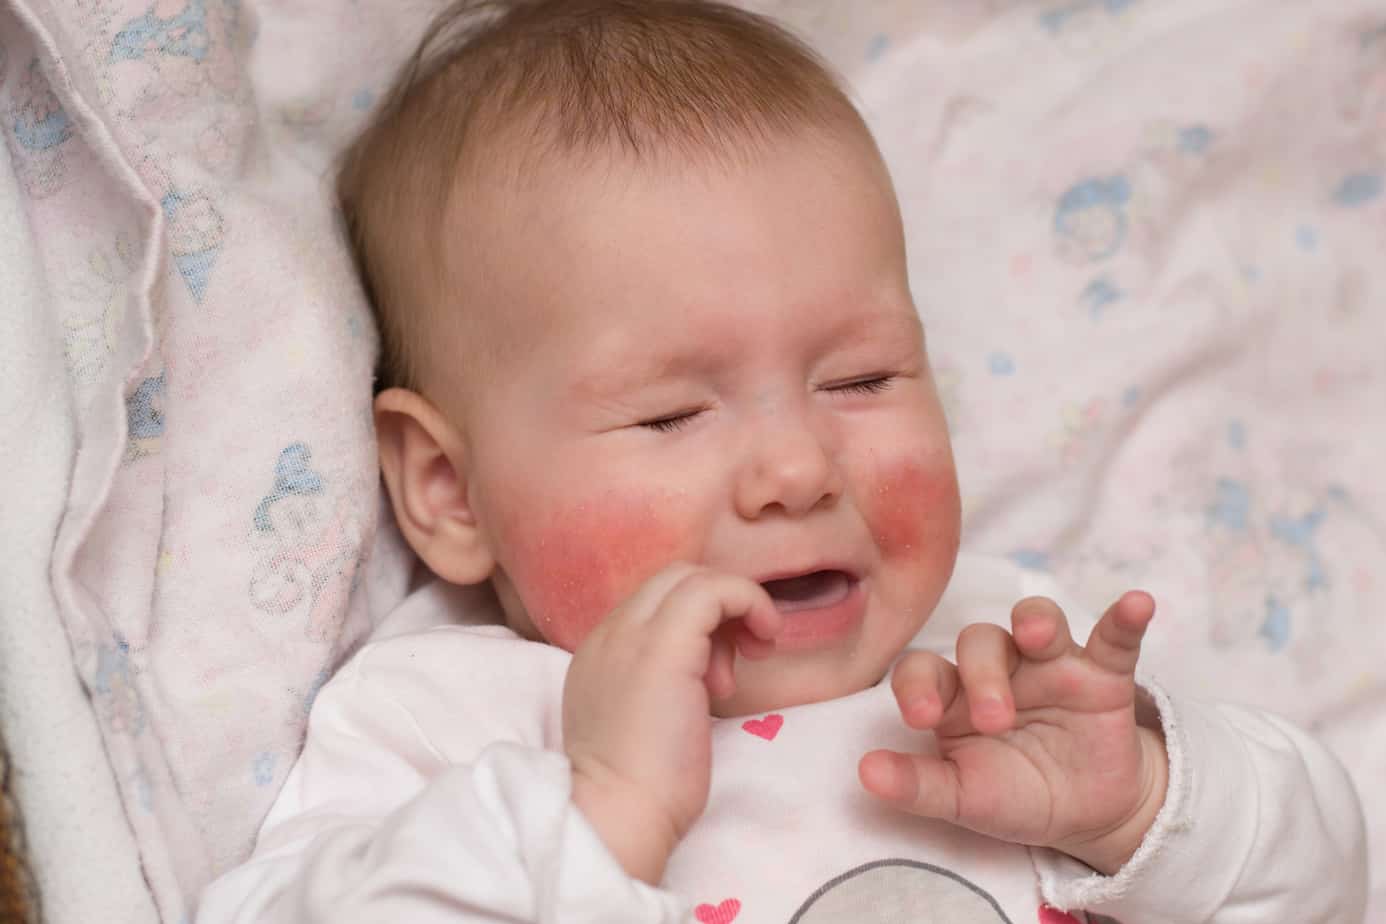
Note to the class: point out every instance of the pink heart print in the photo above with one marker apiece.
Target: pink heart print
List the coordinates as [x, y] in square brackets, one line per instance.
[1051, 915]
[766, 728]
[724, 913]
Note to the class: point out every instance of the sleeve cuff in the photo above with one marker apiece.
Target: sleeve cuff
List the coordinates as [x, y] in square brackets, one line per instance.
[1180, 872]
[581, 880]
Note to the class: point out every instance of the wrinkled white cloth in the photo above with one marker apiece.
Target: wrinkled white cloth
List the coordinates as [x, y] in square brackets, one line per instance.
[433, 787]
[80, 848]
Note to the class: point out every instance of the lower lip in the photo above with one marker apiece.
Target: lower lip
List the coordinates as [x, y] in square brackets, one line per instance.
[821, 627]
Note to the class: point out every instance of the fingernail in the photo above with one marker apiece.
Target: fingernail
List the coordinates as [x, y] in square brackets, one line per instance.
[891, 778]
[917, 711]
[992, 705]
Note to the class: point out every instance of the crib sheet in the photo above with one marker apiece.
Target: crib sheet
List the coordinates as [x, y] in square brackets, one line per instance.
[1145, 236]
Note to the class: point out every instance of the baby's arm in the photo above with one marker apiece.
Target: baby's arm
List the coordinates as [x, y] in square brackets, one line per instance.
[377, 823]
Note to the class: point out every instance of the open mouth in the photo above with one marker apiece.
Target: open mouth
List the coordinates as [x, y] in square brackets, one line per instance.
[810, 591]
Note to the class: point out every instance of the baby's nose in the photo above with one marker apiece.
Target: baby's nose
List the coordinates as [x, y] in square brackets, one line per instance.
[788, 469]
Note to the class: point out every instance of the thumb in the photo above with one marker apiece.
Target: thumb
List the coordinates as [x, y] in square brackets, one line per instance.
[916, 783]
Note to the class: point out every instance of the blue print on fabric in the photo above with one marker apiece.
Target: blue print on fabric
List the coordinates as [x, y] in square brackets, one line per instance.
[144, 411]
[1100, 293]
[262, 771]
[1232, 506]
[1195, 139]
[42, 123]
[1056, 20]
[1358, 189]
[196, 233]
[48, 132]
[1300, 534]
[195, 268]
[314, 689]
[1307, 238]
[114, 688]
[1001, 364]
[292, 475]
[1030, 559]
[182, 35]
[1276, 628]
[1091, 216]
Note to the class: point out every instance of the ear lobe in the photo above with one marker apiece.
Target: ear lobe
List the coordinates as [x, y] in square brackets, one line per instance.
[423, 462]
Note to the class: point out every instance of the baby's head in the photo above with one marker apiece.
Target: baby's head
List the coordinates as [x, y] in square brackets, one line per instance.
[641, 282]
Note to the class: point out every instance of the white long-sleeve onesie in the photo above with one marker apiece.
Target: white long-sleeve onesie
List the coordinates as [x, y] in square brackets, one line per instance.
[433, 787]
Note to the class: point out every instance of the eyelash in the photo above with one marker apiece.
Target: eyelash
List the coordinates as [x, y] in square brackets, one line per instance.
[670, 424]
[872, 386]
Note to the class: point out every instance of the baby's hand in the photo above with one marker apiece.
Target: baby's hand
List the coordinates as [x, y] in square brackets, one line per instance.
[636, 703]
[1037, 736]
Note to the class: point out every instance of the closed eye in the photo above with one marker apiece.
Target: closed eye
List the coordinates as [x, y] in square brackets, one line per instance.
[670, 422]
[870, 385]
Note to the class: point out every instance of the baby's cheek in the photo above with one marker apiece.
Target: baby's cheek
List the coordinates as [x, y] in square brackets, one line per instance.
[914, 510]
[580, 563]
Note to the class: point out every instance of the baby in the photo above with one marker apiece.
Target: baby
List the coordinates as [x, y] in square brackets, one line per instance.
[658, 393]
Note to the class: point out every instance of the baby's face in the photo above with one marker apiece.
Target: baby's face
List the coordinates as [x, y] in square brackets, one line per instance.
[718, 365]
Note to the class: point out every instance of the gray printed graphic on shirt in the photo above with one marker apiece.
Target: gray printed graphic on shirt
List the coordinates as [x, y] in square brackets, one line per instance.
[900, 892]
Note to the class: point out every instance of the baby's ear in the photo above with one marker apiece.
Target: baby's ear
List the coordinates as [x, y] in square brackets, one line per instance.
[423, 462]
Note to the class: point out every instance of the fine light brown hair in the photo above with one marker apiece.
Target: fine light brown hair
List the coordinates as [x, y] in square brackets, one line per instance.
[643, 78]
[19, 898]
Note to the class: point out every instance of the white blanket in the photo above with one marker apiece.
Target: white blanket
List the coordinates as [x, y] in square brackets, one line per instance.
[78, 842]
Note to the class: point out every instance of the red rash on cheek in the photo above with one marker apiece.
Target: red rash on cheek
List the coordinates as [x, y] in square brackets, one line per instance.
[578, 564]
[914, 507]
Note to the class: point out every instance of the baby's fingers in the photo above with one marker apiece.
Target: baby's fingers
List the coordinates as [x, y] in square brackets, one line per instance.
[729, 640]
[701, 602]
[750, 646]
[925, 685]
[1115, 642]
[920, 785]
[720, 677]
[987, 657]
[1040, 629]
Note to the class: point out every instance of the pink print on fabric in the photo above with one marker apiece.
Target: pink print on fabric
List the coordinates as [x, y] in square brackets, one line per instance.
[1051, 915]
[766, 728]
[724, 913]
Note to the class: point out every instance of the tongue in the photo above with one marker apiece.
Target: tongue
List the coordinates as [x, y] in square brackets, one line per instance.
[809, 591]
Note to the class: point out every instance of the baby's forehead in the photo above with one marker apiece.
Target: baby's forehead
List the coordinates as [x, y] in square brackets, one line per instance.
[521, 194]
[518, 178]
